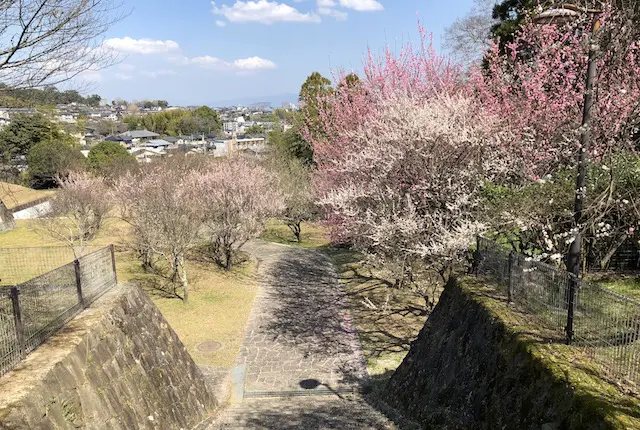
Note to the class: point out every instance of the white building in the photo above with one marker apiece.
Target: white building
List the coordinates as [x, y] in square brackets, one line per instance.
[225, 147]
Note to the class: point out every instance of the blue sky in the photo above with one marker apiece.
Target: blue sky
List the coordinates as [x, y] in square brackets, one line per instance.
[202, 52]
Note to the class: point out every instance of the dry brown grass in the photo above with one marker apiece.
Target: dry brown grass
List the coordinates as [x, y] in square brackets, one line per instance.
[15, 195]
[219, 301]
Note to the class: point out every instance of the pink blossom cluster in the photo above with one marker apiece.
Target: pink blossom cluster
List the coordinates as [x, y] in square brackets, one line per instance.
[401, 158]
[402, 154]
[537, 89]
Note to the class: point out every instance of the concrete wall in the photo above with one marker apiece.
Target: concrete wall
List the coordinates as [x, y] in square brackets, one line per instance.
[6, 218]
[32, 212]
[117, 365]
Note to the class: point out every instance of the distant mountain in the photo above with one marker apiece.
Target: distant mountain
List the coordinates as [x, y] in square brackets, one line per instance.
[273, 100]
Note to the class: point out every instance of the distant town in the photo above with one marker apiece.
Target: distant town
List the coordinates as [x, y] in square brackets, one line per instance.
[241, 128]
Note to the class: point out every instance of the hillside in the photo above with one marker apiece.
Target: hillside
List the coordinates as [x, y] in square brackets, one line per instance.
[15, 195]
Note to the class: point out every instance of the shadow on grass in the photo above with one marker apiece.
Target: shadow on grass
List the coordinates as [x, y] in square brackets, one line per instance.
[157, 286]
[157, 279]
[204, 254]
[388, 318]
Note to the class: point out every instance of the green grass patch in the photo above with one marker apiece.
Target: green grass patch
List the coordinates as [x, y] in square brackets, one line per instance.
[628, 285]
[312, 235]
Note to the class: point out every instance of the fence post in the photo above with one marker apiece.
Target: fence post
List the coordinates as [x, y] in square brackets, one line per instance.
[573, 285]
[17, 318]
[113, 263]
[76, 266]
[512, 258]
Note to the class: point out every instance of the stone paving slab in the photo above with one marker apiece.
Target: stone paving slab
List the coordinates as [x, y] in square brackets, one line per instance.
[299, 329]
[302, 414]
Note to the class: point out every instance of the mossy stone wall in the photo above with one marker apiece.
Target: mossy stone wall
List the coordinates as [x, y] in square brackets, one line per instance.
[469, 369]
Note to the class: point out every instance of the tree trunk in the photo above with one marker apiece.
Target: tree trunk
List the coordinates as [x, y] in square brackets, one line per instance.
[184, 280]
[228, 255]
[295, 229]
[605, 261]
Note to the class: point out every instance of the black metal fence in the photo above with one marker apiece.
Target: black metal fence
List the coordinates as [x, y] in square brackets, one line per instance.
[625, 259]
[602, 322]
[31, 311]
[18, 265]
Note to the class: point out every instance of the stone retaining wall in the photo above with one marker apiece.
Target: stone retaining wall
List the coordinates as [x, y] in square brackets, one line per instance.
[6, 218]
[117, 365]
[470, 369]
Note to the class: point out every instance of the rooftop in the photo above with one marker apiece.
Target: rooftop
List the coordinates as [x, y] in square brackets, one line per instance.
[140, 134]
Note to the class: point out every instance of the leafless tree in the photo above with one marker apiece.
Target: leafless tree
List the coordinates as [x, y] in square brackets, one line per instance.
[469, 37]
[77, 211]
[162, 209]
[297, 189]
[47, 42]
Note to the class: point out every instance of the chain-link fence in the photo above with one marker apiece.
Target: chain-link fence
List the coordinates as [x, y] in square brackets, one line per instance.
[31, 311]
[603, 323]
[18, 265]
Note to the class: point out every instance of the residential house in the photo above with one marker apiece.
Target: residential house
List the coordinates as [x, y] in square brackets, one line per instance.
[157, 143]
[140, 136]
[224, 147]
[127, 142]
[147, 155]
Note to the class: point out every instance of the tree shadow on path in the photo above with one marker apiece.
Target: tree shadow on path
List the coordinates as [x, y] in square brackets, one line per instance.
[310, 305]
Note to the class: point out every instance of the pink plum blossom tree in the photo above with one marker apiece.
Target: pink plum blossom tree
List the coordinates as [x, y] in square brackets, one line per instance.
[237, 197]
[401, 162]
[537, 89]
[78, 211]
[162, 208]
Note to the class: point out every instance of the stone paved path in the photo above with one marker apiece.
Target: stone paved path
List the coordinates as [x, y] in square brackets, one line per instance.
[303, 414]
[299, 339]
[299, 328]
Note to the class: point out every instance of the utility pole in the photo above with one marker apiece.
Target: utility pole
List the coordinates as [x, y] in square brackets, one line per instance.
[567, 12]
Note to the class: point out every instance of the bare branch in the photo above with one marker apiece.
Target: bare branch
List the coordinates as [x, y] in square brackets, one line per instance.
[469, 37]
[47, 42]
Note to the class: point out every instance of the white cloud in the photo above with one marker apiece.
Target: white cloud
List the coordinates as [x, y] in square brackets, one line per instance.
[253, 63]
[122, 77]
[155, 73]
[326, 3]
[242, 64]
[362, 5]
[263, 11]
[141, 46]
[126, 67]
[337, 14]
[220, 23]
[91, 76]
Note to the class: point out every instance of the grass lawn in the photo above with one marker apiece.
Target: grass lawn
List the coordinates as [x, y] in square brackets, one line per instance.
[629, 285]
[219, 302]
[15, 195]
[218, 309]
[312, 235]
